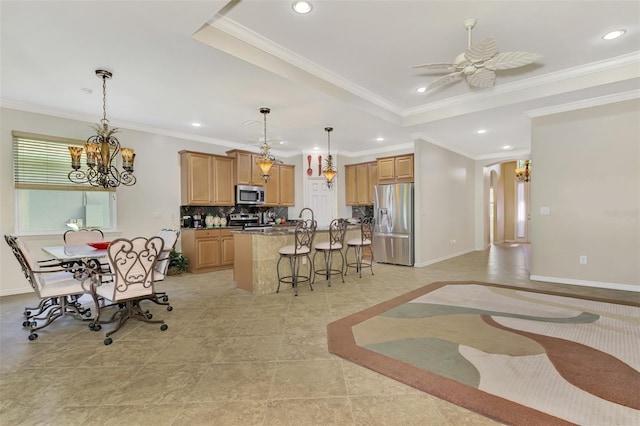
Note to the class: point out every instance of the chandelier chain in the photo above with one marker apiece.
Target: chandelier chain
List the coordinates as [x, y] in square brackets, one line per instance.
[104, 100]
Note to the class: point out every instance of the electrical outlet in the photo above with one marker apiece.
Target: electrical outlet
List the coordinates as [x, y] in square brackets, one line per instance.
[583, 260]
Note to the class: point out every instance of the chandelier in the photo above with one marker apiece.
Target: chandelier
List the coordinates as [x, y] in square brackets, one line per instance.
[101, 151]
[265, 162]
[523, 171]
[329, 170]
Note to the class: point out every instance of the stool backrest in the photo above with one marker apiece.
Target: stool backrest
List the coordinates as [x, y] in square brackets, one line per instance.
[305, 233]
[337, 230]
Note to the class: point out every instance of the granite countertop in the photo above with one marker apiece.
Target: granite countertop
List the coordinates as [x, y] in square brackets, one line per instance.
[232, 228]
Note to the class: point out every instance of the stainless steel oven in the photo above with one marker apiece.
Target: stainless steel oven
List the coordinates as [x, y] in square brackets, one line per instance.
[251, 195]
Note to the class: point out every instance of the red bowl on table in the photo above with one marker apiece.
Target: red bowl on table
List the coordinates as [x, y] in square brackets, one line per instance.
[101, 245]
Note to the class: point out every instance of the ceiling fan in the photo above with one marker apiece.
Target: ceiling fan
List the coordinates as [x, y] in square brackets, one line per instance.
[479, 62]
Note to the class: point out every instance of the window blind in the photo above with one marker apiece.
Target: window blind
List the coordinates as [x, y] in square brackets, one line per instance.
[42, 162]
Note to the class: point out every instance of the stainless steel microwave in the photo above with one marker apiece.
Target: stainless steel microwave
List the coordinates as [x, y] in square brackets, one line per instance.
[252, 195]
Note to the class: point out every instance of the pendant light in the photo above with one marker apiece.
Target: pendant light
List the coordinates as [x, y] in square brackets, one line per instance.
[266, 161]
[523, 172]
[101, 151]
[329, 170]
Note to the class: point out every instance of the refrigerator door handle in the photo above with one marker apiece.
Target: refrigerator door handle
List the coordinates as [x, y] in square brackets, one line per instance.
[393, 235]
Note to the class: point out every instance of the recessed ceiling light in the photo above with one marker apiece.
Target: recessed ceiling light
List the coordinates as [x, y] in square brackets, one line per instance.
[281, 142]
[86, 91]
[481, 132]
[380, 139]
[613, 34]
[194, 124]
[421, 89]
[315, 148]
[507, 147]
[302, 7]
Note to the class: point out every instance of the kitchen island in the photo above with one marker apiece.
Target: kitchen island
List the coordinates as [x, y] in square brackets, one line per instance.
[257, 253]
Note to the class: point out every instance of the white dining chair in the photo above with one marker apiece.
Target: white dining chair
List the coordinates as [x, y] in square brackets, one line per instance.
[56, 287]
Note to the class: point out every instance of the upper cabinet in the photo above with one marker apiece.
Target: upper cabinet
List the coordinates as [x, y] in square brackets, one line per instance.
[395, 169]
[360, 180]
[247, 172]
[280, 189]
[206, 179]
[287, 185]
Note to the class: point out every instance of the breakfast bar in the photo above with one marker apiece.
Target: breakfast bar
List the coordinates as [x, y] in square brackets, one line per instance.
[256, 254]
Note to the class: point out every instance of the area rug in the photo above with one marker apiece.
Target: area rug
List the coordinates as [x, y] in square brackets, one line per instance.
[518, 356]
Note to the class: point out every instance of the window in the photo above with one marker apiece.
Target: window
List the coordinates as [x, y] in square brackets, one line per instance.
[46, 201]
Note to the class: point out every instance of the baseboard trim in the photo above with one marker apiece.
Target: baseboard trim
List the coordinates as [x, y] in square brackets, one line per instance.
[15, 291]
[440, 259]
[585, 283]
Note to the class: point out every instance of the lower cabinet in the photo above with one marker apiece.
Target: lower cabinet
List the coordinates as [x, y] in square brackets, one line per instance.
[208, 249]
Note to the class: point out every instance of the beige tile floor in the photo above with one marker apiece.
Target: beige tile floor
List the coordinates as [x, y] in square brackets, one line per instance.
[231, 358]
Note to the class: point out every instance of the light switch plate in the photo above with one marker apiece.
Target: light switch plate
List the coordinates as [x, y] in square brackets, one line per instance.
[545, 210]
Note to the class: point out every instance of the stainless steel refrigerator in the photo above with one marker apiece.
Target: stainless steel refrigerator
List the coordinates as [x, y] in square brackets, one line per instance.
[393, 232]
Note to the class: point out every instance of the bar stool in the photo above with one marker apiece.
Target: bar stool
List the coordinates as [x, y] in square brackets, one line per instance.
[337, 229]
[304, 234]
[359, 244]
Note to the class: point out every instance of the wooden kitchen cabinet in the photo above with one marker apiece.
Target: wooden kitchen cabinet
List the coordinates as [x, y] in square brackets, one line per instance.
[223, 194]
[351, 186]
[362, 185]
[246, 170]
[280, 189]
[287, 185]
[395, 169]
[206, 179]
[373, 179]
[359, 185]
[208, 249]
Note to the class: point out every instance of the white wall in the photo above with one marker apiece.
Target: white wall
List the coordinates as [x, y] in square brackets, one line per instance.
[444, 203]
[143, 209]
[586, 169]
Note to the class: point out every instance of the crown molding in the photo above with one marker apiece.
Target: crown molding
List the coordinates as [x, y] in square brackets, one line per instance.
[585, 103]
[38, 109]
[410, 146]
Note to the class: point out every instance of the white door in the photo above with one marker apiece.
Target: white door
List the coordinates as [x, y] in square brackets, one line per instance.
[321, 200]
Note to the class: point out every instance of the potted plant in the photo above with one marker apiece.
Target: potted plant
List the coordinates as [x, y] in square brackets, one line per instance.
[177, 263]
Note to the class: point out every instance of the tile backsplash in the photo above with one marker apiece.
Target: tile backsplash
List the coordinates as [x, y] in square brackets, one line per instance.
[225, 211]
[362, 211]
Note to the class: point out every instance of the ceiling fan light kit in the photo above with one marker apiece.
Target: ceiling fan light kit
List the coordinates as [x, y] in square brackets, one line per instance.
[479, 63]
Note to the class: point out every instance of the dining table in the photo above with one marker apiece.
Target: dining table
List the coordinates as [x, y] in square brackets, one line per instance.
[74, 252]
[81, 259]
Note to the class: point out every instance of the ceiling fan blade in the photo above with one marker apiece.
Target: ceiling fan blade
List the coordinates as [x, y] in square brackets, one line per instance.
[482, 50]
[445, 79]
[482, 78]
[508, 60]
[436, 66]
